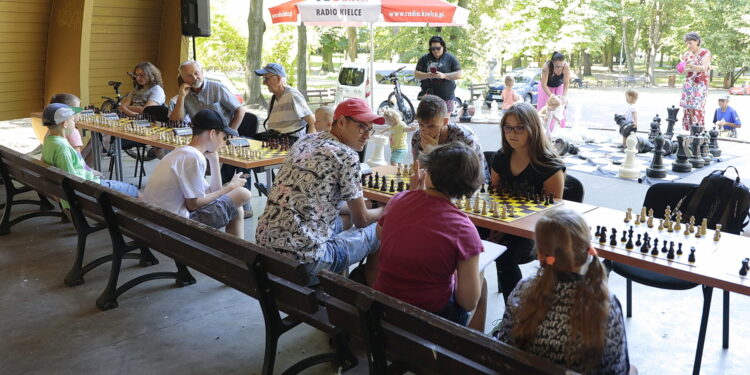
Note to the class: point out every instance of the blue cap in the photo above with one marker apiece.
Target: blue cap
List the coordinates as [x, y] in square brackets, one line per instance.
[272, 68]
[57, 113]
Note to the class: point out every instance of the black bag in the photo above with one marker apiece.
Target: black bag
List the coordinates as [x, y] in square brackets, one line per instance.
[271, 134]
[721, 200]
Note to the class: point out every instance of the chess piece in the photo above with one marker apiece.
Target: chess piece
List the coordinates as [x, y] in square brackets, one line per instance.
[629, 244]
[679, 248]
[650, 222]
[707, 157]
[717, 233]
[624, 236]
[745, 267]
[383, 185]
[678, 220]
[603, 235]
[400, 186]
[495, 213]
[692, 224]
[691, 257]
[695, 155]
[613, 237]
[661, 224]
[656, 169]
[704, 226]
[713, 143]
[670, 254]
[511, 211]
[643, 214]
[671, 120]
[669, 227]
[377, 158]
[638, 242]
[504, 212]
[629, 169]
[655, 128]
[598, 229]
[465, 114]
[698, 233]
[392, 188]
[476, 204]
[664, 247]
[484, 207]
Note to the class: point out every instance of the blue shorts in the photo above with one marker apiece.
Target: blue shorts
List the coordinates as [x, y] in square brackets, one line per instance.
[454, 312]
[397, 156]
[216, 214]
[344, 248]
[122, 187]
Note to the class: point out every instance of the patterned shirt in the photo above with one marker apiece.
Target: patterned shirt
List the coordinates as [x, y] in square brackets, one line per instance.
[553, 333]
[318, 176]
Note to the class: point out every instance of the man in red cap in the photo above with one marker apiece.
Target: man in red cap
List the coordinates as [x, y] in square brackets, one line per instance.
[305, 216]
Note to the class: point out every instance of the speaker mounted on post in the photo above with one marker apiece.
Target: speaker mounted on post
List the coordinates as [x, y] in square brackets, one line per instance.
[196, 18]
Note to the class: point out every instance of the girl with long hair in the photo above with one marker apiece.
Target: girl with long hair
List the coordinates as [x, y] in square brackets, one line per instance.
[566, 313]
[525, 162]
[148, 90]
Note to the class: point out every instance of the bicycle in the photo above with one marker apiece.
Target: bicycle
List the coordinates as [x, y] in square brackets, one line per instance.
[396, 99]
[110, 104]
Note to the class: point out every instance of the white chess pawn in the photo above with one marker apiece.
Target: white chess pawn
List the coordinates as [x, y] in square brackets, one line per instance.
[629, 168]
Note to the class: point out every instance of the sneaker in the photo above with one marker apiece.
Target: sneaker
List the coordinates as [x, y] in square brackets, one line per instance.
[262, 189]
[249, 213]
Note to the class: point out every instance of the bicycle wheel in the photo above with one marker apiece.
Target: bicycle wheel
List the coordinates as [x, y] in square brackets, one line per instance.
[107, 106]
[406, 109]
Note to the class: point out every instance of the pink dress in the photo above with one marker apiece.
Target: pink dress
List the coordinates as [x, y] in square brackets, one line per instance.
[694, 90]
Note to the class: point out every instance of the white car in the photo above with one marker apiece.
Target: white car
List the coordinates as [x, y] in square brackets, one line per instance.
[354, 82]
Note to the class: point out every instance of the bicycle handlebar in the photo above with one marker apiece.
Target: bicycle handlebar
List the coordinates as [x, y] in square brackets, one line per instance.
[392, 75]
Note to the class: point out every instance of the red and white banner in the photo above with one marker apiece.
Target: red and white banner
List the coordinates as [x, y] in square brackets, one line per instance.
[378, 12]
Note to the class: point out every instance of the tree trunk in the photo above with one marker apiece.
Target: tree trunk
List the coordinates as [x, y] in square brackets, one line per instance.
[256, 28]
[351, 51]
[515, 63]
[631, 49]
[661, 59]
[586, 64]
[327, 65]
[611, 55]
[302, 58]
[654, 39]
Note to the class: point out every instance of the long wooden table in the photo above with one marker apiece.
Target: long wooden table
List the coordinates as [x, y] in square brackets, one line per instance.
[154, 140]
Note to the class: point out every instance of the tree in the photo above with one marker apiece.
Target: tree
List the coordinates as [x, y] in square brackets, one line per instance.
[727, 35]
[351, 36]
[302, 58]
[256, 28]
[224, 50]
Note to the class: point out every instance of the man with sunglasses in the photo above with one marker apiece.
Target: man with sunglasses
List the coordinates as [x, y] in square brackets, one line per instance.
[438, 70]
[178, 184]
[316, 211]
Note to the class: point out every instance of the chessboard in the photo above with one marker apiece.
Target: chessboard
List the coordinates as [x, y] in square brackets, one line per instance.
[606, 159]
[506, 207]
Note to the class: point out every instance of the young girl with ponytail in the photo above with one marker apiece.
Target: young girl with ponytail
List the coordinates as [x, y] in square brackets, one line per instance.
[565, 313]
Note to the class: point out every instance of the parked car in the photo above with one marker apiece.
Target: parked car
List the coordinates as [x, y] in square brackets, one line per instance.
[354, 82]
[526, 86]
[223, 79]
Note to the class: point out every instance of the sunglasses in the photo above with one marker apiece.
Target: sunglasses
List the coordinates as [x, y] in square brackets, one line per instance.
[514, 129]
[435, 48]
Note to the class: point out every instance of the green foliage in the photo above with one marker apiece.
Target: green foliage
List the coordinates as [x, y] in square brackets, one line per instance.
[282, 49]
[224, 50]
[726, 33]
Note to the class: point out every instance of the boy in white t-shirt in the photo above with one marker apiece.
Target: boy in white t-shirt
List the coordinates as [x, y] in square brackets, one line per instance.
[177, 184]
[631, 114]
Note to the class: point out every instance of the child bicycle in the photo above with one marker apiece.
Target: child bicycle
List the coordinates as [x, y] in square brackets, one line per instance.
[396, 99]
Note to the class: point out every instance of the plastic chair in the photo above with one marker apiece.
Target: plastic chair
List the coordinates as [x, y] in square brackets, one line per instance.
[658, 197]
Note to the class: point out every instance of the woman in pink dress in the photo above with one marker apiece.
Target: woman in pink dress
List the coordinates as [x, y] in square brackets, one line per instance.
[697, 64]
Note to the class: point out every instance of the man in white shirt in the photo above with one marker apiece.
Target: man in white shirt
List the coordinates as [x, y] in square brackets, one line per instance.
[289, 113]
[177, 184]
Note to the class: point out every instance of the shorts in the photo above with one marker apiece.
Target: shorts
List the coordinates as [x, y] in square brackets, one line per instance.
[397, 156]
[216, 214]
[454, 312]
[122, 187]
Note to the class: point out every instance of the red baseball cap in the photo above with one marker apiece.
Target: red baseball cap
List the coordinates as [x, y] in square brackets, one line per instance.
[357, 109]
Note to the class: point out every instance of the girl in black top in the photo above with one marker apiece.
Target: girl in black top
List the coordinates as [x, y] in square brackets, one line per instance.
[525, 161]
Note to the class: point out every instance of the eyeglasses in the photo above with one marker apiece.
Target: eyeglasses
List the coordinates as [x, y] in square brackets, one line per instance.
[559, 66]
[266, 78]
[514, 129]
[140, 75]
[435, 48]
[363, 128]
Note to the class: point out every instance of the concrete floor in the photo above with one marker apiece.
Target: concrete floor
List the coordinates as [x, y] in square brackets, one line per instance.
[210, 328]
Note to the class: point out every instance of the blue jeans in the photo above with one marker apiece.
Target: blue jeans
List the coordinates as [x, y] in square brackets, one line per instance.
[344, 248]
[122, 187]
[454, 312]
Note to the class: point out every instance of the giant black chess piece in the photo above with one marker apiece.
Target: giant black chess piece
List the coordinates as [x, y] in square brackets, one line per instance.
[671, 120]
[681, 164]
[713, 146]
[656, 169]
[695, 152]
[626, 127]
[655, 128]
[465, 115]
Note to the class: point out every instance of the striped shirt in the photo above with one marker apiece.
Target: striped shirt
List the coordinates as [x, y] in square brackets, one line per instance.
[214, 96]
[288, 111]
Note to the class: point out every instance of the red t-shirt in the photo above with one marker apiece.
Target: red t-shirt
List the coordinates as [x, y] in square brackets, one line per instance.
[423, 239]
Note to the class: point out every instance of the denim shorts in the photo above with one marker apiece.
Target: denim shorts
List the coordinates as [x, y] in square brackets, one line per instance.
[122, 187]
[397, 156]
[454, 312]
[344, 248]
[216, 214]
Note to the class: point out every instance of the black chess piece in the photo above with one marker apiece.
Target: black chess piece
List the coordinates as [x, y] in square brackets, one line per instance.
[655, 249]
[392, 188]
[613, 237]
[408, 186]
[695, 150]
[383, 185]
[598, 229]
[691, 257]
[745, 267]
[364, 180]
[655, 128]
[603, 235]
[671, 120]
[656, 169]
[713, 143]
[705, 154]
[376, 185]
[670, 254]
[681, 164]
[679, 248]
[624, 236]
[644, 247]
[638, 242]
[664, 247]
[482, 190]
[400, 187]
[629, 245]
[369, 181]
[671, 246]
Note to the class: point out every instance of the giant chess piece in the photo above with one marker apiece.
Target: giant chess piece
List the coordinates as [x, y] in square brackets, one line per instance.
[656, 169]
[377, 158]
[494, 112]
[655, 128]
[695, 152]
[696, 130]
[465, 115]
[713, 146]
[671, 120]
[681, 164]
[629, 168]
[707, 157]
[626, 127]
[479, 110]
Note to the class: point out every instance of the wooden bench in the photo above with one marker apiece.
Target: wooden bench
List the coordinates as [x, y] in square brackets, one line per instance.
[418, 341]
[10, 171]
[276, 281]
[477, 90]
[319, 97]
[630, 80]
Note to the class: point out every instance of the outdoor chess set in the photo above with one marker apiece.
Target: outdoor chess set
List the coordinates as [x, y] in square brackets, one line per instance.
[267, 150]
[505, 206]
[606, 159]
[674, 240]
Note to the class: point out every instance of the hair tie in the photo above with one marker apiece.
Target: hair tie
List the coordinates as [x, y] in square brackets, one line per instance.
[549, 260]
[592, 251]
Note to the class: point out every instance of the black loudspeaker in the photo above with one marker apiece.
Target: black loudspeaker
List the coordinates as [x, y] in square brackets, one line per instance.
[196, 20]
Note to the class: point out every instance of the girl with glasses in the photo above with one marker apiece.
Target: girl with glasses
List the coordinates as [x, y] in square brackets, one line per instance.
[525, 162]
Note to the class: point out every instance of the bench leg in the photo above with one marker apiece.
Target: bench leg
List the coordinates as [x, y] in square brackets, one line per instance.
[108, 299]
[148, 259]
[182, 276]
[75, 275]
[343, 358]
